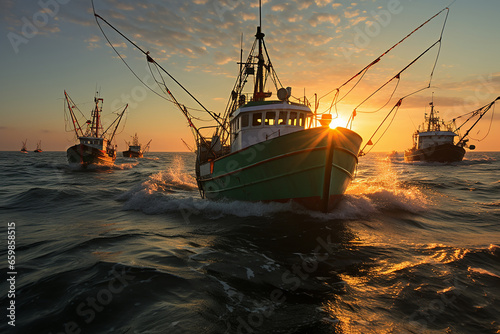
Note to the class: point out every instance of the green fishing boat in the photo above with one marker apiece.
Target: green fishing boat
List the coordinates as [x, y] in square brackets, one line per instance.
[267, 145]
[274, 149]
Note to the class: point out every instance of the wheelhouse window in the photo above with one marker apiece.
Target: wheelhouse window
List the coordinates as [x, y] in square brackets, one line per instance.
[292, 120]
[244, 120]
[270, 118]
[282, 118]
[257, 119]
[302, 119]
[308, 122]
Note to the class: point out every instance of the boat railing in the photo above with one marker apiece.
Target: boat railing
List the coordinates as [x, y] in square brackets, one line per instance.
[248, 97]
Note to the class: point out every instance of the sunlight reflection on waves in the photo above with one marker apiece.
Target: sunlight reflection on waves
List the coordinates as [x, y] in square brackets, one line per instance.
[98, 167]
[384, 191]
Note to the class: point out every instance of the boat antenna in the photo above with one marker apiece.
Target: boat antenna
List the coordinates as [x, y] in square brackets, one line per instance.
[241, 59]
[258, 93]
[260, 13]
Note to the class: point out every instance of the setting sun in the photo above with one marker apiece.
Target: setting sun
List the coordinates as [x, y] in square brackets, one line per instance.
[336, 122]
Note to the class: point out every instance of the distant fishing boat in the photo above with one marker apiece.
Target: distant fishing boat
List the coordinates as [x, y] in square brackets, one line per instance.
[38, 147]
[95, 145]
[135, 149]
[23, 148]
[434, 141]
[393, 155]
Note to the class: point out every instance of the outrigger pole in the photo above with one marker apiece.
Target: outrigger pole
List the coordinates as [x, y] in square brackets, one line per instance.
[481, 111]
[151, 60]
[73, 117]
[116, 127]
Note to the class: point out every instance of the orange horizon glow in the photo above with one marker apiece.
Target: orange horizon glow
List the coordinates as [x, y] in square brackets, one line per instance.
[312, 53]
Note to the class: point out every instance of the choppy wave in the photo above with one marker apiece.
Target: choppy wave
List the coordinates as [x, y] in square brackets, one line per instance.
[409, 249]
[474, 161]
[98, 167]
[174, 190]
[465, 162]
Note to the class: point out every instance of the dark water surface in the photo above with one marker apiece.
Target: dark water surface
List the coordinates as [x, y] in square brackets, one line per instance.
[412, 248]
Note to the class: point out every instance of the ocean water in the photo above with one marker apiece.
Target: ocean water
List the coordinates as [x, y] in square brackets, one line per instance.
[412, 248]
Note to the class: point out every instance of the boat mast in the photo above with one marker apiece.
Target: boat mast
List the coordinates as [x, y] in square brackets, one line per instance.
[240, 76]
[431, 117]
[433, 124]
[258, 93]
[96, 118]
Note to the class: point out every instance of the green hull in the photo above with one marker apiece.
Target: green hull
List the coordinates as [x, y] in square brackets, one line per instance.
[312, 167]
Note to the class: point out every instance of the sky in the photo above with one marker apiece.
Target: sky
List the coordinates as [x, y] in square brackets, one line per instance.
[50, 46]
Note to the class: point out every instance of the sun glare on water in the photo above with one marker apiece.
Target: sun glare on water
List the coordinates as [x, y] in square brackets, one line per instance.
[338, 121]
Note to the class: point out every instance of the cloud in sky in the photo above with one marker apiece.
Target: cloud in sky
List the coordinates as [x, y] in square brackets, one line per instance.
[318, 18]
[322, 3]
[313, 43]
[351, 14]
[198, 28]
[279, 8]
[189, 28]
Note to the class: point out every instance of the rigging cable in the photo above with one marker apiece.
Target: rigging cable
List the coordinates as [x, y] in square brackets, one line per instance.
[481, 111]
[489, 127]
[398, 76]
[369, 142]
[120, 56]
[386, 52]
[335, 102]
[214, 116]
[389, 100]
